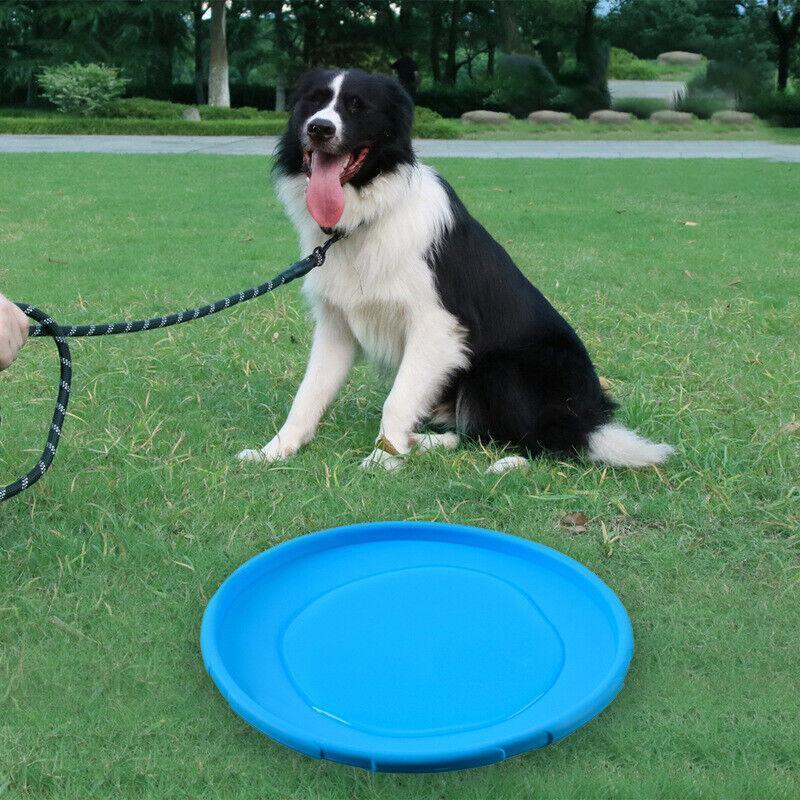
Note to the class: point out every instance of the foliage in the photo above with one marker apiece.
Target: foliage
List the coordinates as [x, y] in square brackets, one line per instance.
[626, 66]
[702, 103]
[524, 84]
[640, 107]
[83, 89]
[147, 108]
[581, 99]
[649, 27]
[781, 108]
[453, 101]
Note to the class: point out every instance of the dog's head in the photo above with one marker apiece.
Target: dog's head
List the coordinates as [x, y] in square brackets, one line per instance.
[345, 127]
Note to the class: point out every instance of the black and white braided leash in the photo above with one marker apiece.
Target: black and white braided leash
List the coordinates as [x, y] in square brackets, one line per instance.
[49, 327]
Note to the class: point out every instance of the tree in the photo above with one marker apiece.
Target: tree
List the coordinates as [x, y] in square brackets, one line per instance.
[197, 24]
[218, 87]
[784, 25]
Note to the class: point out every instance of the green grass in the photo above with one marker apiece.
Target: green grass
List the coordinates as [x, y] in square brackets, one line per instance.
[107, 564]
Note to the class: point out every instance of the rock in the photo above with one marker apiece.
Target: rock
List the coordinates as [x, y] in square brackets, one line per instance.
[550, 117]
[486, 117]
[609, 117]
[672, 117]
[680, 57]
[733, 117]
[191, 115]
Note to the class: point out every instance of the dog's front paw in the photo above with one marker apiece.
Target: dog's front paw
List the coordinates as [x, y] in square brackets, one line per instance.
[279, 449]
[380, 458]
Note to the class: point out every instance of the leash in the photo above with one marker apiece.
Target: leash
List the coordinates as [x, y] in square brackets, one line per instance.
[49, 327]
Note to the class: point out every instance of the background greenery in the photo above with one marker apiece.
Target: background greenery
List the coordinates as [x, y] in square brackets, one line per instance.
[680, 276]
[469, 52]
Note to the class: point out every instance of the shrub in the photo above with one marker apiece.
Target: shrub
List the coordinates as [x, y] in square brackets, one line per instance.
[624, 65]
[146, 108]
[780, 108]
[640, 107]
[524, 85]
[580, 100]
[142, 108]
[453, 101]
[84, 89]
[702, 104]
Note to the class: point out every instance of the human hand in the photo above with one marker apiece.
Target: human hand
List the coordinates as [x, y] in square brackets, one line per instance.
[13, 331]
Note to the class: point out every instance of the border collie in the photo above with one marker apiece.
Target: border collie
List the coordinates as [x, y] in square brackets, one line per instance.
[422, 289]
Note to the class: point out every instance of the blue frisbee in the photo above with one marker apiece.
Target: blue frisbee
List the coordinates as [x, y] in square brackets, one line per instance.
[415, 647]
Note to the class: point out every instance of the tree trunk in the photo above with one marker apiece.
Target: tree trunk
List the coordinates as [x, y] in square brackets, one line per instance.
[783, 65]
[30, 97]
[282, 45]
[199, 92]
[785, 36]
[310, 30]
[450, 67]
[435, 41]
[508, 26]
[406, 17]
[219, 93]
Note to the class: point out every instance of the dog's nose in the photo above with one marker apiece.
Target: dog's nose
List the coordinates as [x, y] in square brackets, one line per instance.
[321, 129]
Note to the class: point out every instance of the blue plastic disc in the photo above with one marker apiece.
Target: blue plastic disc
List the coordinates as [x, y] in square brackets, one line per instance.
[415, 647]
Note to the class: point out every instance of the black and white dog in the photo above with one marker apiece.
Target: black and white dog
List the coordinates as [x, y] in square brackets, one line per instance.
[421, 288]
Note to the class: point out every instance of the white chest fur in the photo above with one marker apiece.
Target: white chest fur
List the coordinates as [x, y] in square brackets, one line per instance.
[377, 277]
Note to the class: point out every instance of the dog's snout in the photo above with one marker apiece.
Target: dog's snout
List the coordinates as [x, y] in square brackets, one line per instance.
[321, 129]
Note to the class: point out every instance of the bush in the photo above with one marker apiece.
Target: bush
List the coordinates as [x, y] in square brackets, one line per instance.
[430, 125]
[734, 78]
[780, 108]
[624, 65]
[702, 104]
[63, 124]
[453, 101]
[146, 108]
[524, 85]
[580, 100]
[84, 89]
[640, 107]
[142, 108]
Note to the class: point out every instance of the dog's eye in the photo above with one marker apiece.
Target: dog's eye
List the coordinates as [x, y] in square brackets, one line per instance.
[319, 96]
[354, 105]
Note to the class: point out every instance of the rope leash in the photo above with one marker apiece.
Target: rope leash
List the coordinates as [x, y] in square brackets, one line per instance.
[49, 327]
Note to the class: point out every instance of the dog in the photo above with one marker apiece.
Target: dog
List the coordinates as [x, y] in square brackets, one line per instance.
[423, 290]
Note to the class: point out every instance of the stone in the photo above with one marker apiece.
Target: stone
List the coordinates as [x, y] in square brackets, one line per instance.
[733, 117]
[191, 115]
[545, 117]
[608, 117]
[486, 117]
[672, 117]
[680, 57]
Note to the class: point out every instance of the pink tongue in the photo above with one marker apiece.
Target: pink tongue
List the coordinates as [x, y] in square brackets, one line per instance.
[325, 196]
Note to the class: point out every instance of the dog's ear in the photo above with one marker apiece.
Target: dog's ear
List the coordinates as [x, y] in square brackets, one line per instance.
[305, 81]
[401, 107]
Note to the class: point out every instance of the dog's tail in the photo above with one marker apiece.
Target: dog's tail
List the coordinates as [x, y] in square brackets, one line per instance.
[615, 445]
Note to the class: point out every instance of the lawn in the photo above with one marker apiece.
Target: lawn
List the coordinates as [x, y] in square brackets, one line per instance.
[107, 564]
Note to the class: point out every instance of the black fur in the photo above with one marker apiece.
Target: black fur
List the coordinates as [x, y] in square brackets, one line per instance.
[530, 382]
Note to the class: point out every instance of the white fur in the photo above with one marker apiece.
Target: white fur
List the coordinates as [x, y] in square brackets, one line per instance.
[615, 445]
[376, 289]
[330, 113]
[506, 464]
